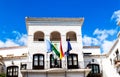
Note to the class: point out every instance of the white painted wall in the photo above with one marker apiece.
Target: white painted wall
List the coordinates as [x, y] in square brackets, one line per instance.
[16, 51]
[93, 51]
[109, 69]
[40, 47]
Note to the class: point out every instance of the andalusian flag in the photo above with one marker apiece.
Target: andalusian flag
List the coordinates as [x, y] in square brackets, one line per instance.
[51, 47]
[61, 51]
[55, 50]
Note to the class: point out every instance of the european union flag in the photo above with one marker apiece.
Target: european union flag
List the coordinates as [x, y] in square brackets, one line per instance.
[68, 48]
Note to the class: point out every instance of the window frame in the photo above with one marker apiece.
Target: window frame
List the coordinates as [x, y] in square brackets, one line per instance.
[12, 71]
[37, 59]
[95, 68]
[38, 36]
[53, 64]
[71, 36]
[71, 62]
[55, 36]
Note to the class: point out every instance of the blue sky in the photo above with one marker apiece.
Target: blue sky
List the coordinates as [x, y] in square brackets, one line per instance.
[100, 26]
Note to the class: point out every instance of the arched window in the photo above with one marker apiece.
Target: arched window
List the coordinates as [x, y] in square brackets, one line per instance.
[38, 61]
[39, 36]
[55, 36]
[95, 68]
[71, 36]
[72, 61]
[12, 71]
[55, 62]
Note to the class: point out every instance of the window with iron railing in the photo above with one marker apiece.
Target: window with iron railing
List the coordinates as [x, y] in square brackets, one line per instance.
[72, 61]
[12, 71]
[95, 68]
[55, 62]
[38, 61]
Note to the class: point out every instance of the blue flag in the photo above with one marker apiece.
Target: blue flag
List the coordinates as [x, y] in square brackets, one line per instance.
[49, 46]
[68, 48]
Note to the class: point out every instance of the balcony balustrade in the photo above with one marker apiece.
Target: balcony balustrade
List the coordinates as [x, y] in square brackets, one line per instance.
[27, 67]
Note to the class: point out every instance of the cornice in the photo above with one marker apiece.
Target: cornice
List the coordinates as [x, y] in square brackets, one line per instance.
[14, 47]
[85, 47]
[54, 19]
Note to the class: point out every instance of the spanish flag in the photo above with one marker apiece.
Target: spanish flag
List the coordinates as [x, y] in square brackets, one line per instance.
[61, 51]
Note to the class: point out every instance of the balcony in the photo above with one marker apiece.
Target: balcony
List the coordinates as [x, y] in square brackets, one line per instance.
[26, 67]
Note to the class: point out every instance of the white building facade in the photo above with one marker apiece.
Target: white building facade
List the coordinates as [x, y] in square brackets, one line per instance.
[34, 61]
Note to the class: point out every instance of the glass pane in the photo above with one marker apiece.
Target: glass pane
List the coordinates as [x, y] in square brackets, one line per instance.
[14, 69]
[8, 70]
[70, 62]
[96, 69]
[36, 63]
[41, 58]
[11, 70]
[14, 73]
[52, 63]
[58, 62]
[69, 58]
[75, 62]
[10, 73]
[41, 63]
[35, 57]
[74, 57]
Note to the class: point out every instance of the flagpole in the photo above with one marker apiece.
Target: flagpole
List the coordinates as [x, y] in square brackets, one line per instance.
[65, 65]
[47, 65]
[69, 48]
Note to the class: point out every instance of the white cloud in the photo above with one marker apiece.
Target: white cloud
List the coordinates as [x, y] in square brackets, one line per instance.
[107, 45]
[95, 41]
[16, 34]
[103, 34]
[10, 43]
[1, 43]
[100, 39]
[116, 16]
[88, 41]
[21, 39]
